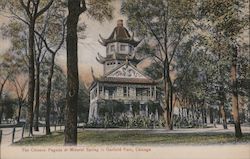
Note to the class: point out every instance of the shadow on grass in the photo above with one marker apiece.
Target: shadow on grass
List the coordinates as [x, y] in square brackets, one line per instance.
[56, 138]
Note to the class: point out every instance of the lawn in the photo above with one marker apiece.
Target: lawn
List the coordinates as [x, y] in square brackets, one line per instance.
[135, 137]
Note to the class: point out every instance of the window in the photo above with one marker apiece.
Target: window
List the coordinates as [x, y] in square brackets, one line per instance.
[112, 48]
[143, 107]
[122, 47]
[124, 91]
[100, 89]
[111, 92]
[130, 48]
[107, 49]
[128, 91]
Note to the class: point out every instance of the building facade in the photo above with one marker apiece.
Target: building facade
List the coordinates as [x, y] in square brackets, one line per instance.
[122, 81]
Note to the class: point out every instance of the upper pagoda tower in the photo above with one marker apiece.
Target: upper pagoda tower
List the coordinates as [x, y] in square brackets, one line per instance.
[119, 48]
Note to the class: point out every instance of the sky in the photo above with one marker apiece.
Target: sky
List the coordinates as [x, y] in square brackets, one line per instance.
[88, 47]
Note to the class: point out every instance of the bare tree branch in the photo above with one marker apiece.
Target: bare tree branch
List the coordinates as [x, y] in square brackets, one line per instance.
[26, 7]
[39, 13]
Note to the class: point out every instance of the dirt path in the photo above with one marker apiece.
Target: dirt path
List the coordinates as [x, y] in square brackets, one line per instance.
[7, 134]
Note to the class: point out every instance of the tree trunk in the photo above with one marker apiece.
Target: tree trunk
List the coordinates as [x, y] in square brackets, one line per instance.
[222, 112]
[1, 110]
[31, 85]
[192, 110]
[203, 116]
[170, 104]
[235, 106]
[48, 94]
[1, 107]
[37, 92]
[1, 100]
[72, 74]
[223, 115]
[211, 117]
[167, 111]
[168, 97]
[19, 110]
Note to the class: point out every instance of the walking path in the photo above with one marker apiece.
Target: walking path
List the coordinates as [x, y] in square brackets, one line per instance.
[227, 151]
[7, 134]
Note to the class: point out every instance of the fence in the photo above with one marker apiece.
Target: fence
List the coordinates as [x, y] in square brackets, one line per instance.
[0, 142]
[18, 132]
[12, 133]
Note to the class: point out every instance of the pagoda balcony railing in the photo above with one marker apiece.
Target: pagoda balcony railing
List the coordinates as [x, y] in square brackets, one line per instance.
[116, 97]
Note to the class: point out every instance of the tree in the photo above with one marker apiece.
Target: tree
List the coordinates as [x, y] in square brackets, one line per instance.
[229, 19]
[98, 10]
[28, 11]
[16, 55]
[168, 22]
[9, 107]
[6, 70]
[58, 92]
[20, 85]
[83, 103]
[53, 24]
[39, 56]
[19, 80]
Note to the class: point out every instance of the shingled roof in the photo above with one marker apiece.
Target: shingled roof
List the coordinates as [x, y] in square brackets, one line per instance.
[123, 80]
[119, 34]
[130, 57]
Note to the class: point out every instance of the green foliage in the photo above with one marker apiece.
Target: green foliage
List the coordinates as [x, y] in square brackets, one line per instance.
[9, 105]
[99, 9]
[135, 107]
[83, 103]
[203, 61]
[228, 16]
[112, 107]
[152, 107]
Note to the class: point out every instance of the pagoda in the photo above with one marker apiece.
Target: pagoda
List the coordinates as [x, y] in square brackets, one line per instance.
[122, 81]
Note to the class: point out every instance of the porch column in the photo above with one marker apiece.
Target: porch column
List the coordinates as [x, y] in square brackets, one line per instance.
[150, 96]
[154, 92]
[103, 91]
[127, 91]
[97, 87]
[146, 110]
[140, 112]
[156, 115]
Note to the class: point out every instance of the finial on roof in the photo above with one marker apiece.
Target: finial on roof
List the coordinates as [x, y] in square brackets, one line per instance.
[119, 34]
[119, 22]
[126, 62]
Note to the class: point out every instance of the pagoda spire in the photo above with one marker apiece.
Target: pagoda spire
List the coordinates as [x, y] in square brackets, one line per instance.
[119, 34]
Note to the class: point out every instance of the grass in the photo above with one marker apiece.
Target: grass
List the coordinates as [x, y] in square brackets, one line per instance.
[135, 137]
